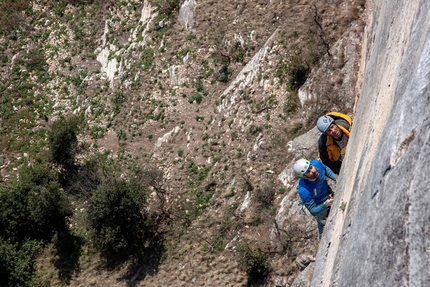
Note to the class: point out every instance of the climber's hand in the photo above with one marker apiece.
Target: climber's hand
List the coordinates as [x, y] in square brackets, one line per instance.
[328, 202]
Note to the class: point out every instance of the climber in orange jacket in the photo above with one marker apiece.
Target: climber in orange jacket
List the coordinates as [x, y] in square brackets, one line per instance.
[335, 128]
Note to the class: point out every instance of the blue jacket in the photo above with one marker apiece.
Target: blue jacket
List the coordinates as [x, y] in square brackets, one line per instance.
[314, 193]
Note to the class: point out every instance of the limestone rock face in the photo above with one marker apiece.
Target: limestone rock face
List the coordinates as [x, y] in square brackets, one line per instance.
[186, 14]
[378, 231]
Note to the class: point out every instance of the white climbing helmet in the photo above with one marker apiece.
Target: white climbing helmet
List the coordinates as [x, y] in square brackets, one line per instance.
[301, 167]
[323, 123]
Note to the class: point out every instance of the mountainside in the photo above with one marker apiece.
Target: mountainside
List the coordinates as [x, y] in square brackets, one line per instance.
[202, 102]
[381, 238]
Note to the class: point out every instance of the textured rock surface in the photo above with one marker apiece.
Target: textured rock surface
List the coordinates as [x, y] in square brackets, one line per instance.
[382, 236]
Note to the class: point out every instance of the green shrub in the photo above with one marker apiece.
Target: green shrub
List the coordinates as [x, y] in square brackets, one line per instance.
[253, 130]
[234, 136]
[238, 53]
[196, 173]
[183, 53]
[50, 209]
[205, 136]
[292, 104]
[200, 88]
[342, 206]
[33, 207]
[193, 168]
[224, 74]
[63, 141]
[121, 134]
[281, 190]
[18, 263]
[297, 74]
[147, 58]
[97, 132]
[280, 74]
[119, 226]
[190, 37]
[78, 80]
[118, 100]
[203, 172]
[196, 98]
[254, 262]
[196, 200]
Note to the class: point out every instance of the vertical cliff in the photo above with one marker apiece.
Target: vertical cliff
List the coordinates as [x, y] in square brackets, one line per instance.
[378, 232]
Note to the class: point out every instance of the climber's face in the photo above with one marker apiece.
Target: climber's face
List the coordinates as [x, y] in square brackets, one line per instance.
[312, 173]
[334, 131]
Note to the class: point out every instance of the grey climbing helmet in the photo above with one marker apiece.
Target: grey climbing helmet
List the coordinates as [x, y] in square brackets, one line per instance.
[301, 167]
[324, 123]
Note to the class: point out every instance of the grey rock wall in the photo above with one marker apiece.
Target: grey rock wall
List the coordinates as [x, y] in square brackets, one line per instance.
[382, 237]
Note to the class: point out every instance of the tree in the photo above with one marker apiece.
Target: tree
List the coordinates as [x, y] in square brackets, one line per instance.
[18, 263]
[63, 141]
[117, 219]
[33, 206]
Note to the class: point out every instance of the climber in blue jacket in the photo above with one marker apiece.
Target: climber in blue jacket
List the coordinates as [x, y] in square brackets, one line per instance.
[314, 190]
